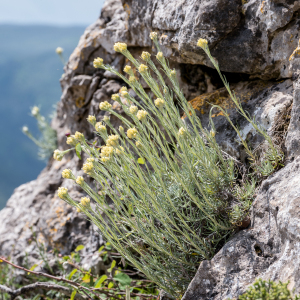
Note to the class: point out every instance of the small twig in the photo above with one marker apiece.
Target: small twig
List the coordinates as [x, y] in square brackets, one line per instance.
[39, 285]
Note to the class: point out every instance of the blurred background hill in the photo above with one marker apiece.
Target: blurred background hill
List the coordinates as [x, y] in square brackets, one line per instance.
[29, 75]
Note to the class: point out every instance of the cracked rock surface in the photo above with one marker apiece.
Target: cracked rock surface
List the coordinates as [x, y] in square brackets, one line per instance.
[254, 43]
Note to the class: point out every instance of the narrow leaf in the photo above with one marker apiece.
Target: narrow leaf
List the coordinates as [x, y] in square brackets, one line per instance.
[78, 150]
[141, 161]
[79, 247]
[73, 295]
[72, 273]
[100, 281]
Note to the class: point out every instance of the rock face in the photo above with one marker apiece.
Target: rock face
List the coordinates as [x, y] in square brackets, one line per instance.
[254, 42]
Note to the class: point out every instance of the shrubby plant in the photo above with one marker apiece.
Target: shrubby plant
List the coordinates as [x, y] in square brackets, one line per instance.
[176, 196]
[268, 290]
[47, 142]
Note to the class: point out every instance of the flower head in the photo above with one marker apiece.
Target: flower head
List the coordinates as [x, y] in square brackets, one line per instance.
[25, 129]
[132, 79]
[138, 144]
[58, 155]
[113, 140]
[141, 115]
[98, 62]
[80, 180]
[90, 159]
[71, 141]
[106, 119]
[59, 50]
[85, 201]
[181, 132]
[115, 97]
[153, 35]
[79, 136]
[132, 133]
[159, 56]
[119, 150]
[62, 192]
[173, 73]
[106, 151]
[67, 173]
[105, 159]
[35, 111]
[145, 56]
[100, 128]
[120, 47]
[128, 69]
[121, 129]
[104, 105]
[133, 109]
[212, 133]
[88, 167]
[143, 68]
[91, 119]
[202, 43]
[159, 103]
[78, 209]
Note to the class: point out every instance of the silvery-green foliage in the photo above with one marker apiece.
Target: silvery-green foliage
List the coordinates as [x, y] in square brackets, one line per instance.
[47, 141]
[176, 196]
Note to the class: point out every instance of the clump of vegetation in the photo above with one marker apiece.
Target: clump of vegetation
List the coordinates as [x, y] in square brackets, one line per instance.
[268, 290]
[47, 142]
[176, 195]
[71, 281]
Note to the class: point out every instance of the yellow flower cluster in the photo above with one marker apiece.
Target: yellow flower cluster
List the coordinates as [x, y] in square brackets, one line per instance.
[159, 56]
[80, 180]
[59, 50]
[112, 140]
[173, 73]
[153, 35]
[85, 201]
[71, 141]
[67, 173]
[58, 155]
[143, 68]
[98, 62]
[120, 47]
[132, 79]
[92, 119]
[133, 109]
[141, 115]
[202, 43]
[88, 167]
[105, 159]
[78, 209]
[107, 151]
[90, 159]
[35, 111]
[145, 56]
[132, 133]
[62, 192]
[119, 151]
[138, 144]
[159, 103]
[106, 119]
[79, 136]
[127, 69]
[115, 97]
[100, 128]
[104, 105]
[181, 131]
[121, 129]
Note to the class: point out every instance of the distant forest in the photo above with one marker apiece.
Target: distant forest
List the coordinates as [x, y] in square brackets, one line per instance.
[29, 75]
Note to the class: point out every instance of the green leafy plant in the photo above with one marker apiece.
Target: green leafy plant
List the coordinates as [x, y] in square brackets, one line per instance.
[47, 143]
[118, 282]
[176, 195]
[268, 290]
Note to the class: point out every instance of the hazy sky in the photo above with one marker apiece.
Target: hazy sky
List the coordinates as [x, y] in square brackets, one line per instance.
[55, 12]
